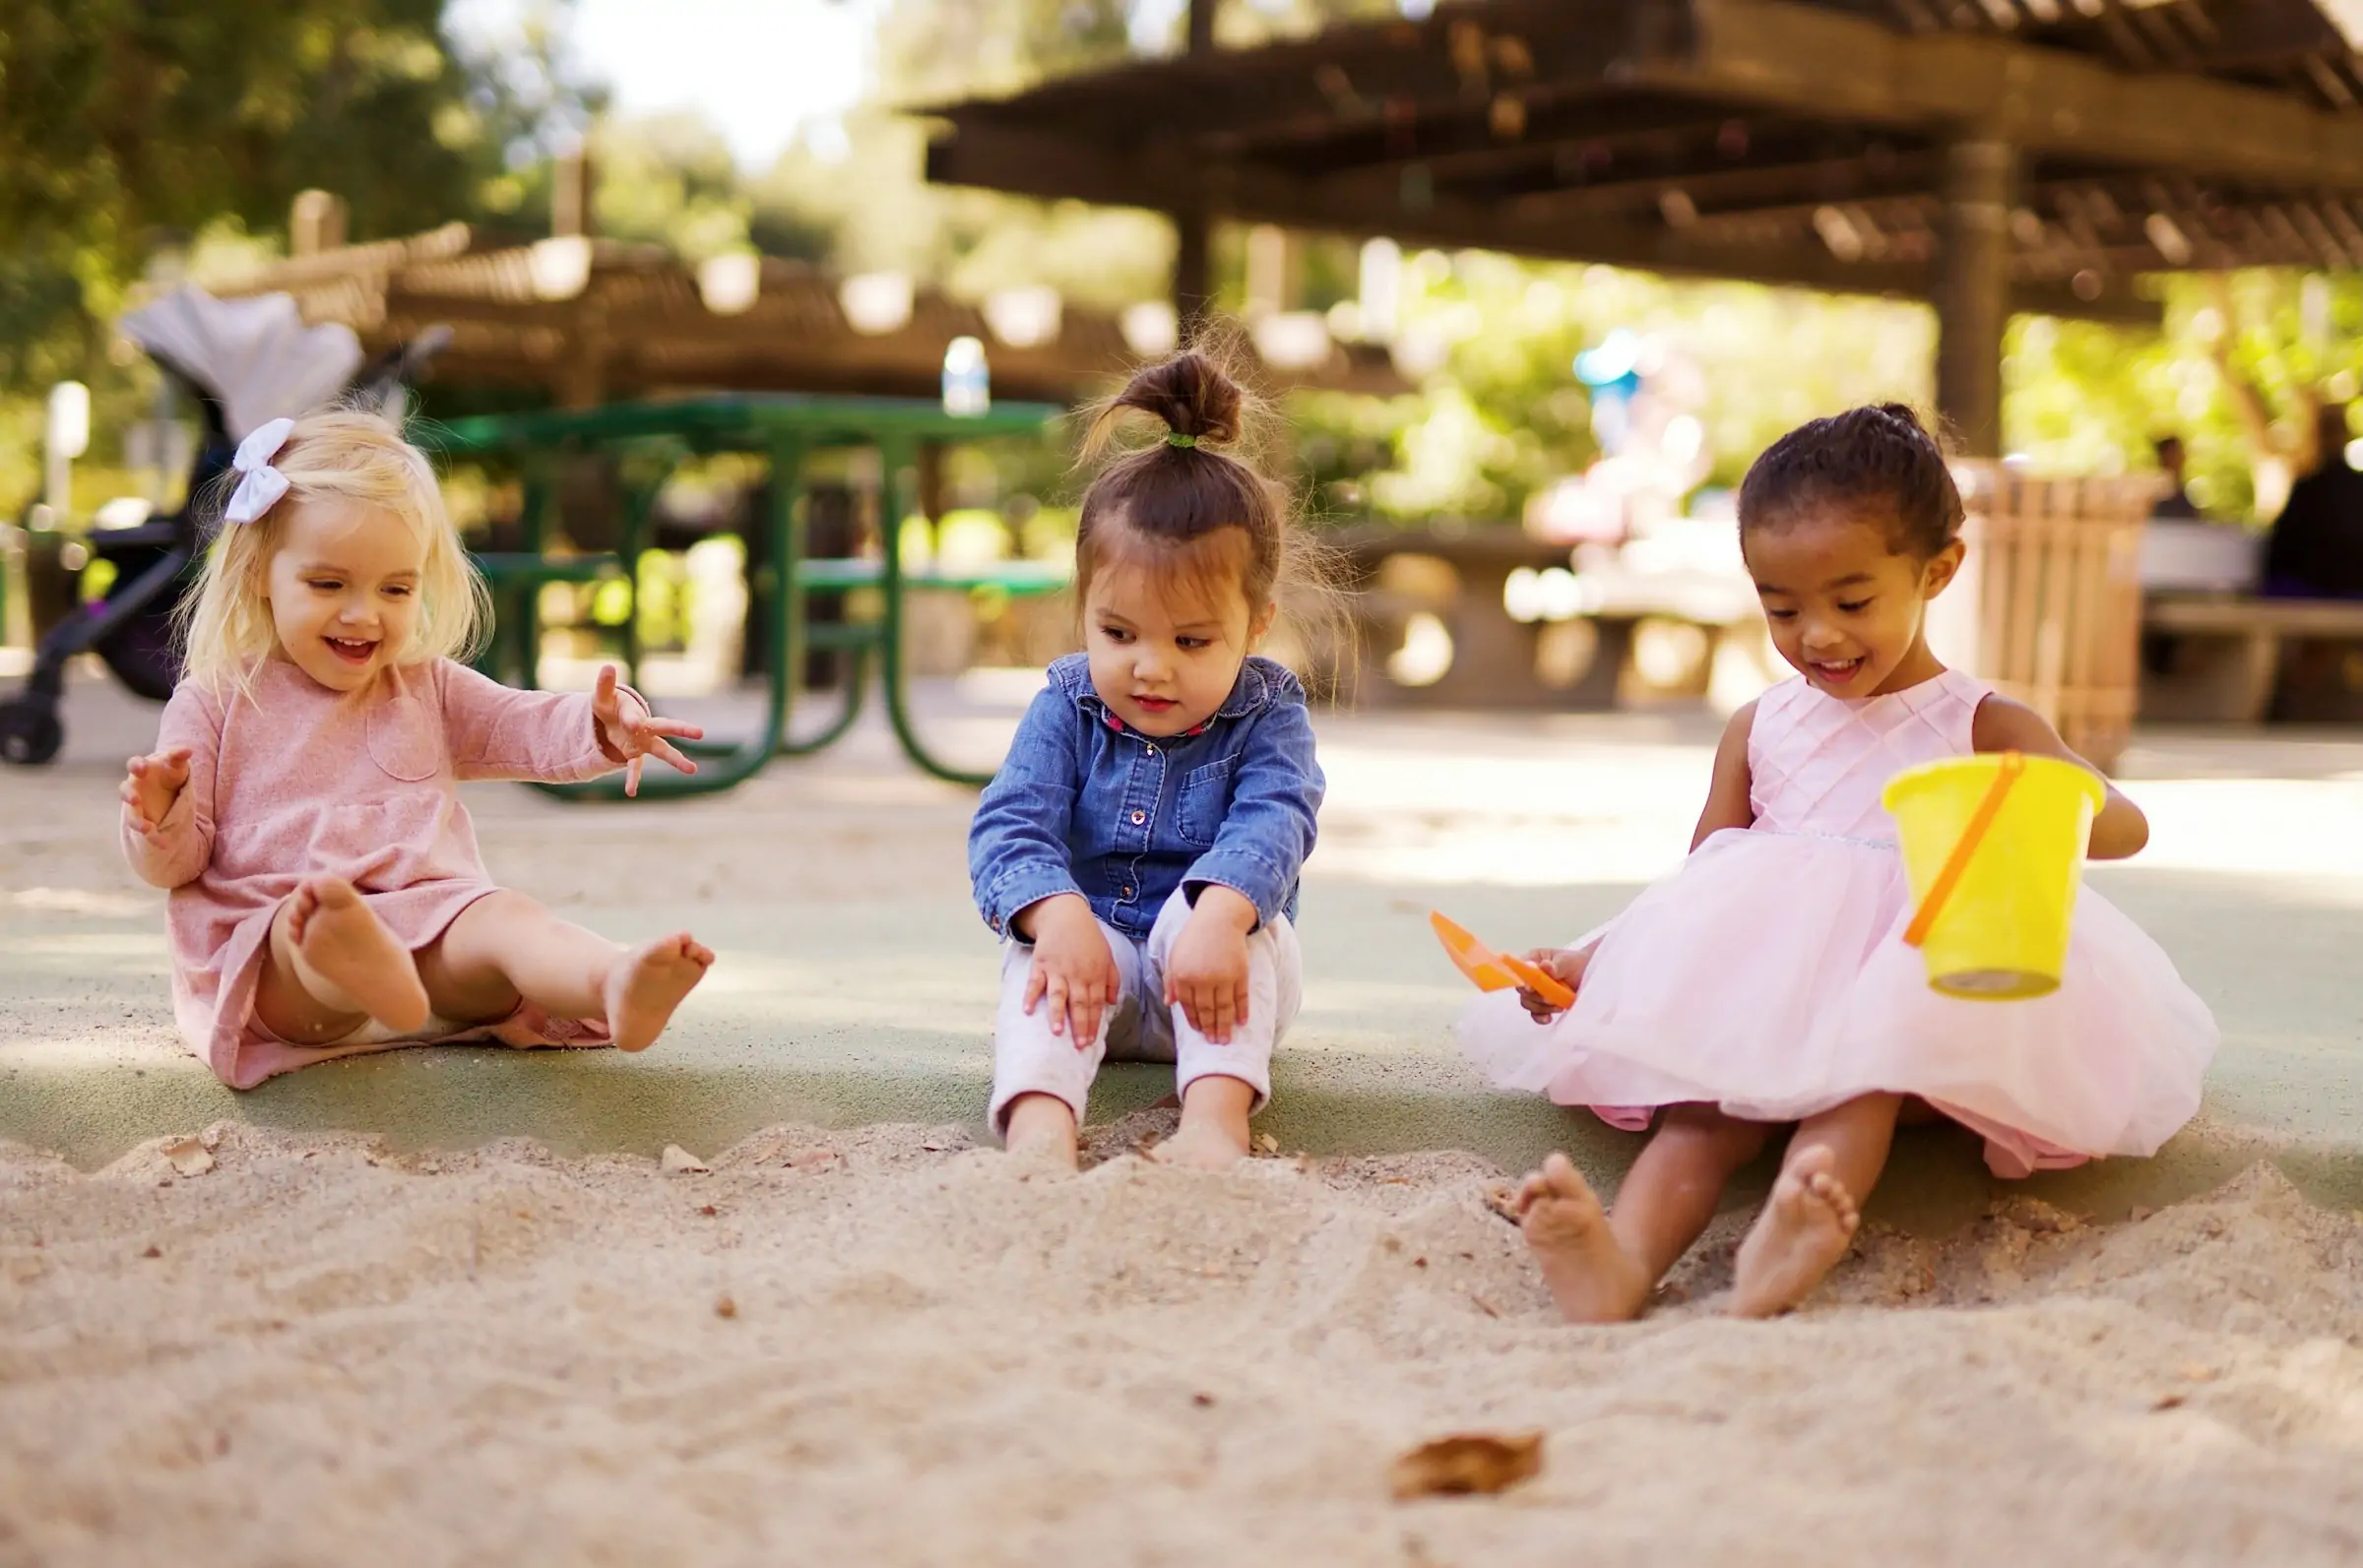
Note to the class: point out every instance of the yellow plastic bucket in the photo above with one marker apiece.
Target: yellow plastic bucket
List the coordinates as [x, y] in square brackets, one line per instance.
[1993, 848]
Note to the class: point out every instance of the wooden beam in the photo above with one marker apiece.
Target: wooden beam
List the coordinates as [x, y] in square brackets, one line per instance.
[1353, 74]
[1973, 291]
[1801, 58]
[1193, 266]
[1459, 138]
[1747, 188]
[1053, 166]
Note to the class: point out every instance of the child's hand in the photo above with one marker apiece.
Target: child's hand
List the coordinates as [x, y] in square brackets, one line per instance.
[1564, 965]
[1206, 972]
[632, 732]
[151, 785]
[1073, 967]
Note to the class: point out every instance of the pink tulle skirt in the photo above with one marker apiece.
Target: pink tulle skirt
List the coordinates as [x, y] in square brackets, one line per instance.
[1770, 977]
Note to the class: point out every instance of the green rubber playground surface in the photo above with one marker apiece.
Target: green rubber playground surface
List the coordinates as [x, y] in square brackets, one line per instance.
[856, 985]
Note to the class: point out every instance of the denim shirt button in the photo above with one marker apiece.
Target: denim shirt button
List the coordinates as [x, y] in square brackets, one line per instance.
[1128, 890]
[1139, 817]
[1152, 750]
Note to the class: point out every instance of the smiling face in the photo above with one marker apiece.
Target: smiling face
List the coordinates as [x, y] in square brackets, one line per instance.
[1166, 646]
[1846, 610]
[344, 588]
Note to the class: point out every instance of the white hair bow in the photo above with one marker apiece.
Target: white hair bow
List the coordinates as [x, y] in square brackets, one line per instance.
[260, 485]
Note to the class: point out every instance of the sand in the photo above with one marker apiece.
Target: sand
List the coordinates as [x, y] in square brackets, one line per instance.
[889, 1348]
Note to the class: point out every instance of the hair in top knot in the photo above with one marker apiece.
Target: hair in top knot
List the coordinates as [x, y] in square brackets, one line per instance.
[1180, 503]
[1877, 463]
[1191, 393]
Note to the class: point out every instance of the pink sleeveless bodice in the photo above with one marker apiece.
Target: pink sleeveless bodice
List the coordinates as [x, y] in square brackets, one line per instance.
[1817, 764]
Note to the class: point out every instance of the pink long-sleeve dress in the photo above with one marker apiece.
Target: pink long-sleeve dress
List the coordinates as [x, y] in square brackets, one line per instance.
[293, 780]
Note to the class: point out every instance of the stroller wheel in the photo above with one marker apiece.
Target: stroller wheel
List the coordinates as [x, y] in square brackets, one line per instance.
[29, 733]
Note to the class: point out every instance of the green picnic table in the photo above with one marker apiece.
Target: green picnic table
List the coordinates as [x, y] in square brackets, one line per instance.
[786, 428]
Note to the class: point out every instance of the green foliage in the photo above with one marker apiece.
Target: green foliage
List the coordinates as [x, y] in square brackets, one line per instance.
[131, 132]
[2085, 398]
[128, 127]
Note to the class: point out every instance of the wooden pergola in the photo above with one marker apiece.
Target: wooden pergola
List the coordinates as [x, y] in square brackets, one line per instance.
[1991, 157]
[591, 320]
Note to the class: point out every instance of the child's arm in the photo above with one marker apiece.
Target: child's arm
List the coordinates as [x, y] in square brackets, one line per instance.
[167, 828]
[496, 731]
[1242, 883]
[2119, 831]
[1025, 884]
[1017, 853]
[1275, 808]
[1730, 801]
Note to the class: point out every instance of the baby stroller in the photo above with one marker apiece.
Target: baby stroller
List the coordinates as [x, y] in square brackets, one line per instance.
[245, 361]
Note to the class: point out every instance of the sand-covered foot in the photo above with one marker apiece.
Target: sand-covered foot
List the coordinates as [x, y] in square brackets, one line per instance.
[647, 983]
[1807, 1226]
[348, 949]
[1203, 1146]
[1043, 1136]
[1591, 1278]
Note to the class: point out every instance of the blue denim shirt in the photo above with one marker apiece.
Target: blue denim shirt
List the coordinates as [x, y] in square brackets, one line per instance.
[1086, 805]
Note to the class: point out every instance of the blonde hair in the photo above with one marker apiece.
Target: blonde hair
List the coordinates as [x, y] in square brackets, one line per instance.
[343, 454]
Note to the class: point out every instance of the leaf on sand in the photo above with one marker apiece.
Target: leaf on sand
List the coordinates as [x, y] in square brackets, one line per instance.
[1467, 1463]
[188, 1156]
[679, 1161]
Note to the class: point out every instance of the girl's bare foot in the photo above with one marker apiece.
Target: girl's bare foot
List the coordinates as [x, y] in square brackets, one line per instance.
[1805, 1227]
[1591, 1278]
[340, 943]
[1203, 1146]
[647, 983]
[1042, 1132]
[1213, 1135]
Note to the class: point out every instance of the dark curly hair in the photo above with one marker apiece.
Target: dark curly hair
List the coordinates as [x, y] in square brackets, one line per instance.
[1878, 464]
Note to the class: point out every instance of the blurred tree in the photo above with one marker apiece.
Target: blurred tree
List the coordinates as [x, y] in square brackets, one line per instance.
[128, 126]
[670, 180]
[2240, 363]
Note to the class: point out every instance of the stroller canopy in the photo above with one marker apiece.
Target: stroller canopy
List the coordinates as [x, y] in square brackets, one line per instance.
[254, 358]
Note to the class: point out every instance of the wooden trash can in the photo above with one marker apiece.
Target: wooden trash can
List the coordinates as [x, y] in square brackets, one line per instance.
[2048, 605]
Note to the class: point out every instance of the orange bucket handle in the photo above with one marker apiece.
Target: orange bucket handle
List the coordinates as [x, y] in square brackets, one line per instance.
[2012, 765]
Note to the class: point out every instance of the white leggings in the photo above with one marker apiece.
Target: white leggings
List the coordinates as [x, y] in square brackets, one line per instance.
[1028, 1059]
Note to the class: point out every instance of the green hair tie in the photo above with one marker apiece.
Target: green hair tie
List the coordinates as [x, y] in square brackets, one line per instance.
[1174, 438]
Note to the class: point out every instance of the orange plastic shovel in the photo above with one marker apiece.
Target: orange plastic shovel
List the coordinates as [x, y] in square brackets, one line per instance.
[1497, 972]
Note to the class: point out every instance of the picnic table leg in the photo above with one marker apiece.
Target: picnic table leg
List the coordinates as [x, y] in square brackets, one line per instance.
[1595, 691]
[540, 499]
[2261, 671]
[899, 458]
[784, 625]
[639, 511]
[857, 683]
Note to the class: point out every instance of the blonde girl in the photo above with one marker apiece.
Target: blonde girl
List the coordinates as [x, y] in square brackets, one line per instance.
[302, 803]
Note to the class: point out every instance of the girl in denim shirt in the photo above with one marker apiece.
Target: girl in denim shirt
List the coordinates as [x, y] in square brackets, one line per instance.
[1139, 850]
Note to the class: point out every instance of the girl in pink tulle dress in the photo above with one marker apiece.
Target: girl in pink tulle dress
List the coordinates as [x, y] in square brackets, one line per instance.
[1766, 984]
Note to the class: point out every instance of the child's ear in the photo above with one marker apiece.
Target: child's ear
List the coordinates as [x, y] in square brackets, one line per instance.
[1261, 627]
[1942, 569]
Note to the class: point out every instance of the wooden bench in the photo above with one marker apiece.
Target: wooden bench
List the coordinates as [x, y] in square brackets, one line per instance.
[2219, 658]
